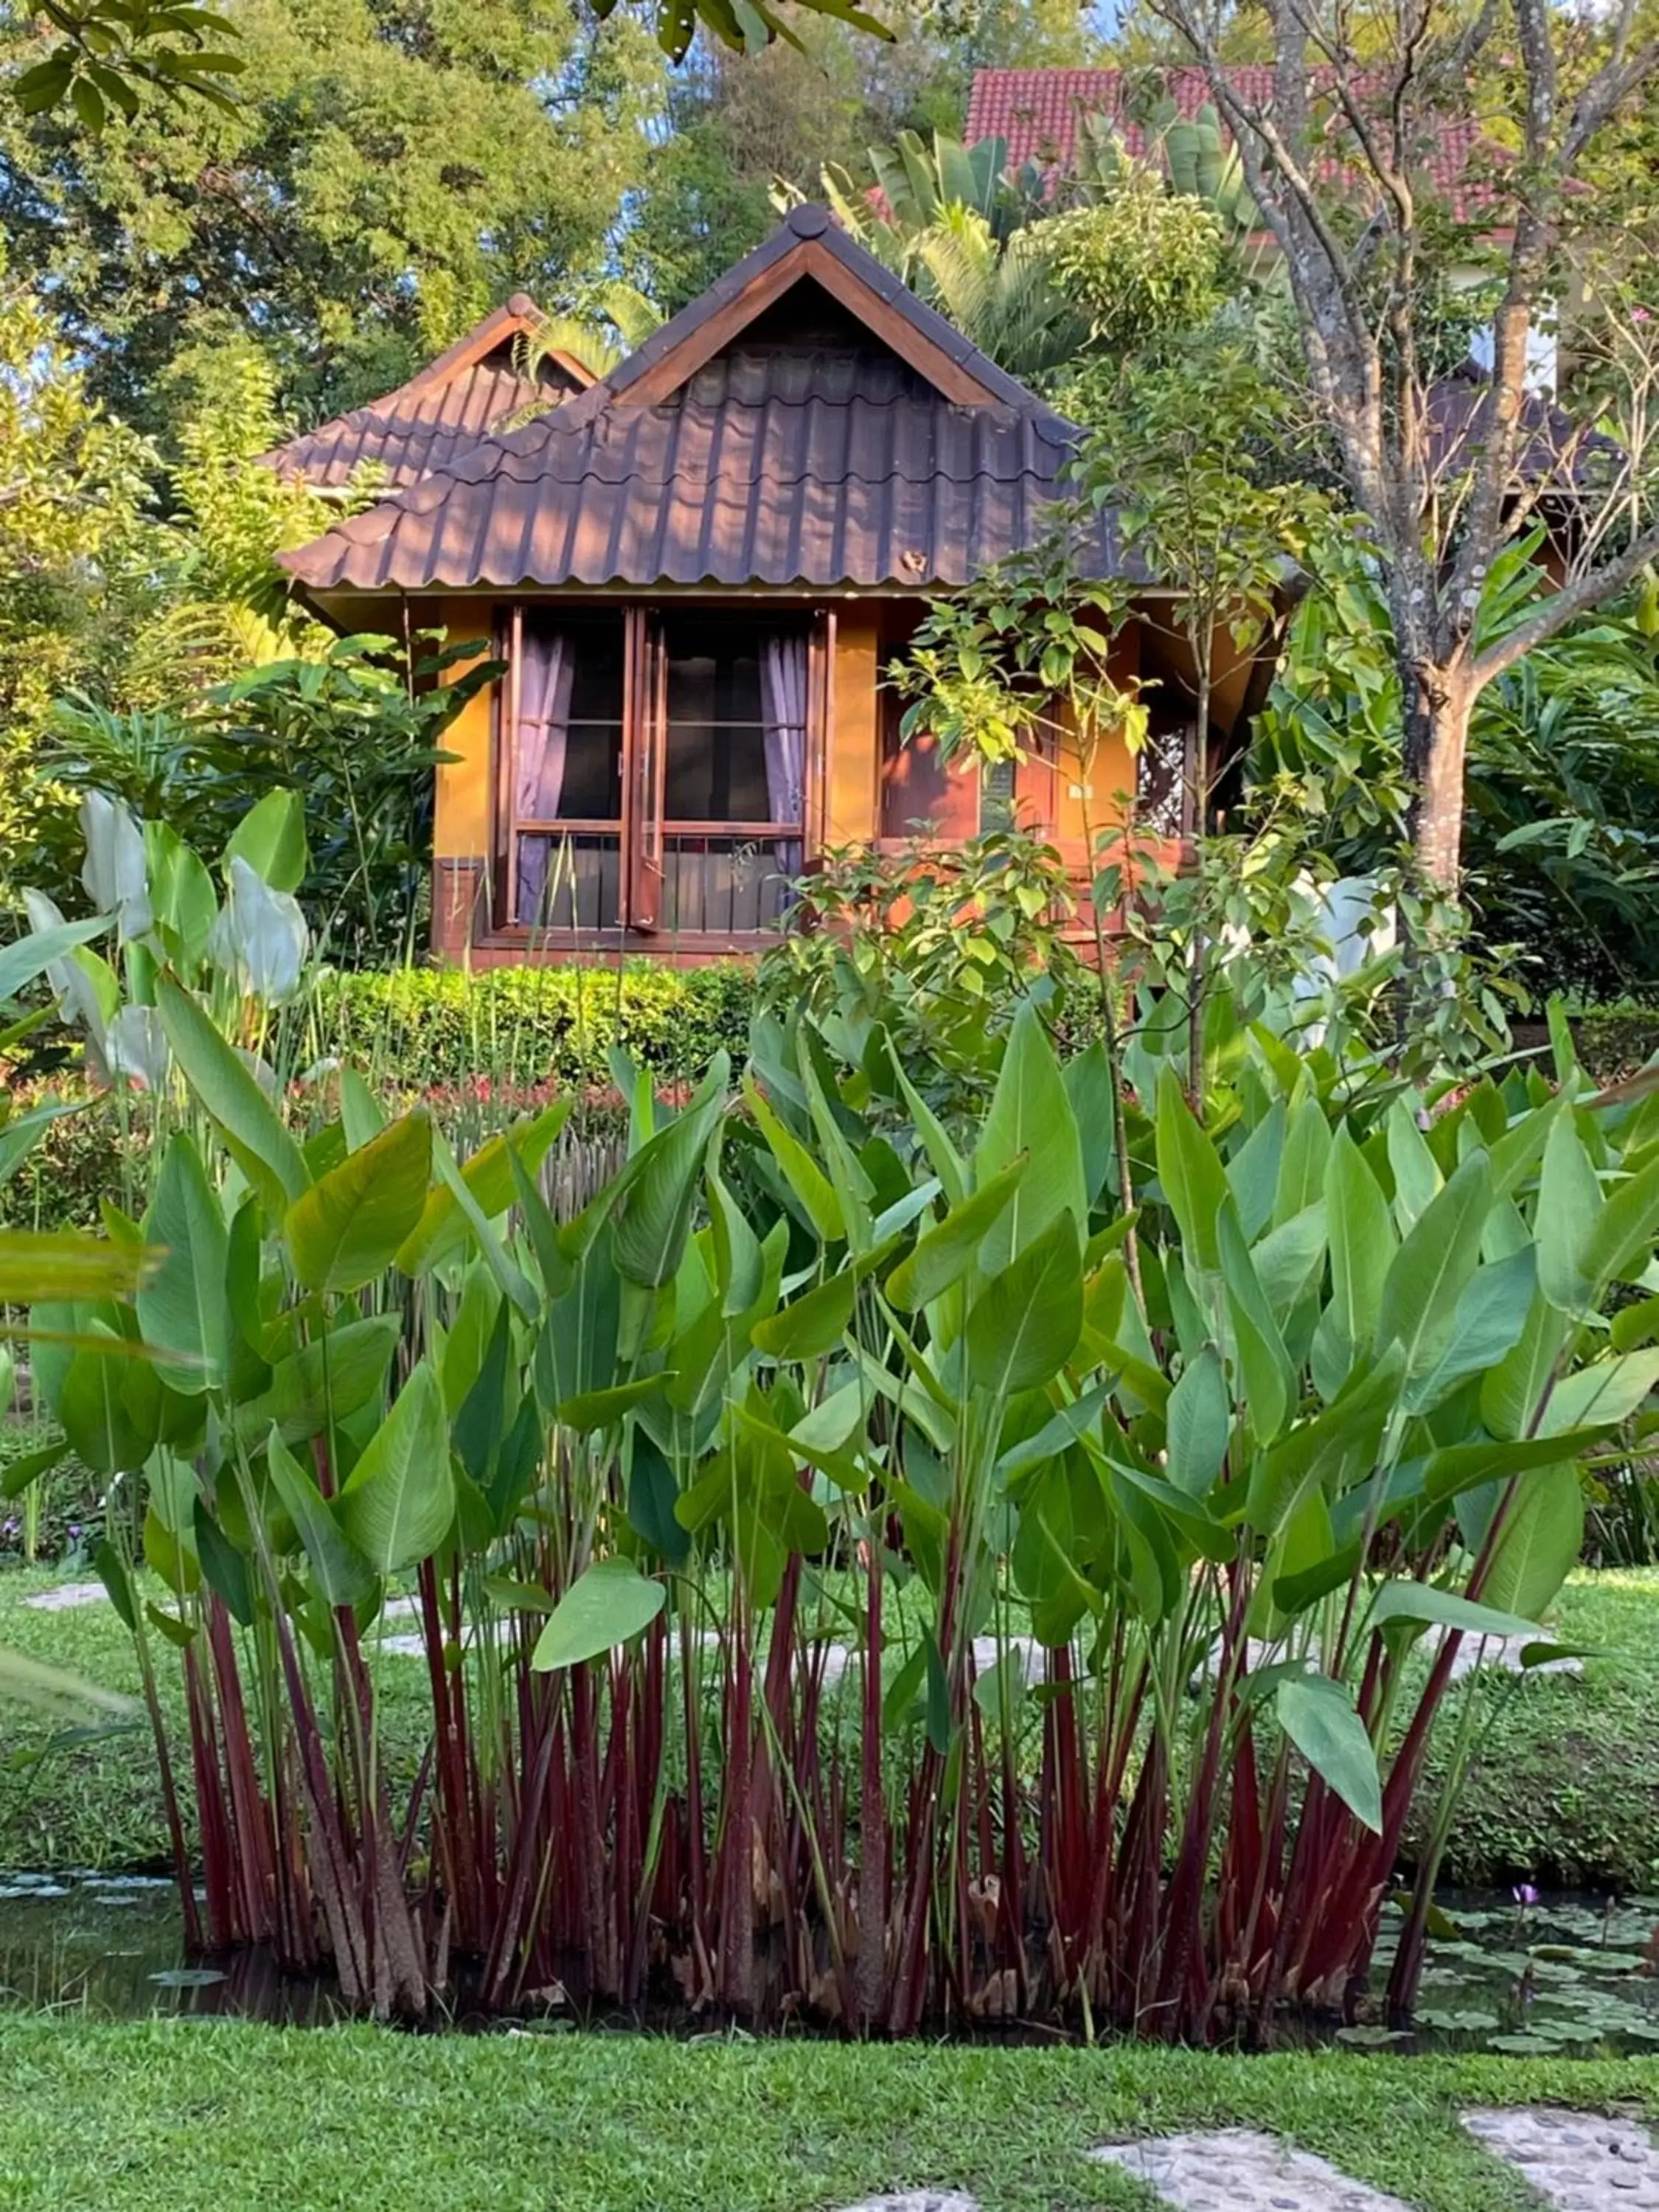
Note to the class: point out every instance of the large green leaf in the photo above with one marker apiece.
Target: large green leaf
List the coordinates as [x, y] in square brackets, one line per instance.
[1025, 1322]
[659, 1191]
[1426, 1606]
[1200, 1420]
[1264, 1364]
[1568, 1220]
[813, 1324]
[805, 1178]
[271, 838]
[1621, 1244]
[1031, 1117]
[21, 1134]
[945, 1253]
[250, 1125]
[1430, 1271]
[1362, 1241]
[1192, 1174]
[1540, 1544]
[488, 1178]
[1318, 1715]
[62, 1266]
[350, 1224]
[25, 957]
[182, 1309]
[1488, 1324]
[399, 1503]
[1513, 1389]
[341, 1574]
[1603, 1394]
[326, 1380]
[610, 1604]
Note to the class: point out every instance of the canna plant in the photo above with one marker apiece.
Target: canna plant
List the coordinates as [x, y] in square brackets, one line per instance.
[846, 1587]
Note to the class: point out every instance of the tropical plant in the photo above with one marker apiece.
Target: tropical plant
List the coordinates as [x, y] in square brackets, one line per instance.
[846, 1585]
[1563, 770]
[931, 952]
[600, 331]
[1002, 295]
[358, 725]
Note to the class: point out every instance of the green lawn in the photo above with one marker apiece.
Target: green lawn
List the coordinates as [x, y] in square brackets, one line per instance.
[211, 2117]
[1566, 1787]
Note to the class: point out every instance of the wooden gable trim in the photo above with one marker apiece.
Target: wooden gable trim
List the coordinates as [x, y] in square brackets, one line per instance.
[518, 317]
[807, 257]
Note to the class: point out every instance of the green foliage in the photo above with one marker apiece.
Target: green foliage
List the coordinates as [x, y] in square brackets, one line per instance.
[1336, 1400]
[69, 526]
[360, 734]
[394, 176]
[1563, 782]
[927, 955]
[1141, 265]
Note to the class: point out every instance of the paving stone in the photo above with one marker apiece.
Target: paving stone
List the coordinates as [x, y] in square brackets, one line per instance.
[61, 1598]
[1576, 2161]
[1237, 2170]
[916, 2200]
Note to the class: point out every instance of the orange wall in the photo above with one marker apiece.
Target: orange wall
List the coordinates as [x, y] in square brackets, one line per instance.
[850, 801]
[461, 815]
[1088, 795]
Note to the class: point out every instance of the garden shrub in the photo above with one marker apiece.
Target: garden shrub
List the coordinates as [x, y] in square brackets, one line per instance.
[435, 1026]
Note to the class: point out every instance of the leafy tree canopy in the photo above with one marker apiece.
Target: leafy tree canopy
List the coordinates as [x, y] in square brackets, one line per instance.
[394, 171]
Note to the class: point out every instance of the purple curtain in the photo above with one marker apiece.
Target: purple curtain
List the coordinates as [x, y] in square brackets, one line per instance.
[547, 670]
[783, 711]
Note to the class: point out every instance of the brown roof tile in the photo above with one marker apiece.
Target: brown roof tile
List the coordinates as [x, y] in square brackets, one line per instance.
[469, 391]
[828, 461]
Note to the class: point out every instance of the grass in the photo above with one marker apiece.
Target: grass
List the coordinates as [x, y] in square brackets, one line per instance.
[177, 2115]
[1564, 1788]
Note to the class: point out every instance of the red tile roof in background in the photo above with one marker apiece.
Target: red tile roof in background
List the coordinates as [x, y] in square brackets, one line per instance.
[1035, 111]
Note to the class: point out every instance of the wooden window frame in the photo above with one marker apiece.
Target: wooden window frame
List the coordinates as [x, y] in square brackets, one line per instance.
[643, 833]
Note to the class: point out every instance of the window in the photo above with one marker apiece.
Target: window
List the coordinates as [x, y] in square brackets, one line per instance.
[655, 769]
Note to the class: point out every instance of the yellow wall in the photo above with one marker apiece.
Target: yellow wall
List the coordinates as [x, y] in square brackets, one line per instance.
[461, 828]
[1088, 795]
[851, 800]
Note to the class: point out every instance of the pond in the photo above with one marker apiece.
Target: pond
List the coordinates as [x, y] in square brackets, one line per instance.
[1570, 1975]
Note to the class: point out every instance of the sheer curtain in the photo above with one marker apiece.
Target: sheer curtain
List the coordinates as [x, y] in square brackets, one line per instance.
[783, 712]
[547, 670]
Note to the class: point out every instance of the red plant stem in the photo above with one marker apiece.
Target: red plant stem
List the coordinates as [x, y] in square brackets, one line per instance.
[181, 1867]
[874, 1842]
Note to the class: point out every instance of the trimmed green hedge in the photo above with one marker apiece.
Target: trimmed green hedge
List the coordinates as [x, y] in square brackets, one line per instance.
[430, 1027]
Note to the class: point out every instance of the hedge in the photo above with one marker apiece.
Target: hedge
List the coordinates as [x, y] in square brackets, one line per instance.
[482, 1045]
[427, 1027]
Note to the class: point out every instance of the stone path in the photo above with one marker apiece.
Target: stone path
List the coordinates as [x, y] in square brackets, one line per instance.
[64, 1596]
[1237, 2170]
[1572, 2161]
[1576, 2161]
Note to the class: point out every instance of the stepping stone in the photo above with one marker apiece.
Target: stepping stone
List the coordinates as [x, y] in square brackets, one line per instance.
[1576, 2161]
[66, 1594]
[917, 2200]
[1237, 2170]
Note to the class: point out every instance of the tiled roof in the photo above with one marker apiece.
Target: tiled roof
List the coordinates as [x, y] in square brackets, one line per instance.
[1037, 111]
[1553, 449]
[817, 462]
[425, 425]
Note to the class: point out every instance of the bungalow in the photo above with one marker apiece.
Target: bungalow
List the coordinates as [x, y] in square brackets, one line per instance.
[697, 571]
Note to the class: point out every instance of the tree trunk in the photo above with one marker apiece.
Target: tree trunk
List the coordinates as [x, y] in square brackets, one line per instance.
[1439, 701]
